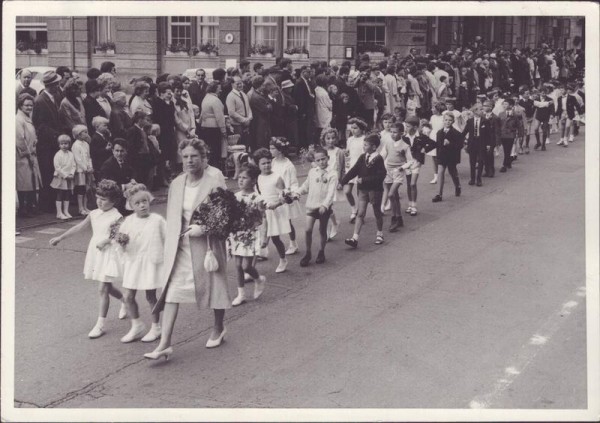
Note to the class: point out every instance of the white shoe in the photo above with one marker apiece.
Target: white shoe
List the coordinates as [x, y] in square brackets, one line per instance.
[213, 343]
[61, 217]
[282, 266]
[560, 142]
[96, 332]
[259, 286]
[434, 180]
[68, 216]
[292, 249]
[135, 333]
[571, 139]
[240, 299]
[122, 311]
[333, 232]
[152, 335]
[247, 277]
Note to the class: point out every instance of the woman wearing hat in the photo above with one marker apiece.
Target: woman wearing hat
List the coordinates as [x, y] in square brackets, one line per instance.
[291, 112]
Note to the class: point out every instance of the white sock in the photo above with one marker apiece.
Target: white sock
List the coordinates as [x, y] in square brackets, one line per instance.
[379, 233]
[355, 236]
[100, 321]
[241, 292]
[136, 323]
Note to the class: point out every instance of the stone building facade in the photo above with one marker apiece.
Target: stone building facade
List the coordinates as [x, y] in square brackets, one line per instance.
[149, 45]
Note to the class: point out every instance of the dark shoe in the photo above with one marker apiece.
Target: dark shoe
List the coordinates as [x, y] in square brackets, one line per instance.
[503, 169]
[537, 146]
[471, 182]
[351, 242]
[457, 191]
[320, 257]
[305, 260]
[479, 183]
[437, 199]
[543, 148]
[513, 158]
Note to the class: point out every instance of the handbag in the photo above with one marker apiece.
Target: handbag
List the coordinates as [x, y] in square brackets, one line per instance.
[211, 264]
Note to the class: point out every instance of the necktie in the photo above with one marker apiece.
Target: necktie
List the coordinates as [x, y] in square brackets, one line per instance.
[244, 102]
[477, 128]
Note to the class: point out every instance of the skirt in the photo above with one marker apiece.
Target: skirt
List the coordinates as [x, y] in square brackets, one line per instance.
[278, 221]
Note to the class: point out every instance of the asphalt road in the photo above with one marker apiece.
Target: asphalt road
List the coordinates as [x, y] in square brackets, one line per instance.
[478, 302]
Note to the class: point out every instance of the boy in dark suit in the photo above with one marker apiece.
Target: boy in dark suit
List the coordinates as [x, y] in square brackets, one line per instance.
[510, 124]
[492, 135]
[479, 143]
[370, 172]
[449, 143]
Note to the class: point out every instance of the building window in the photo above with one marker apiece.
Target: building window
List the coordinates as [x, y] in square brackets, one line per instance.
[104, 31]
[32, 33]
[264, 31]
[277, 35]
[208, 30]
[180, 31]
[296, 32]
[370, 30]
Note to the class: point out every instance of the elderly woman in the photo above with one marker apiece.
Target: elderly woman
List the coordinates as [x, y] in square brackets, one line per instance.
[140, 99]
[29, 179]
[71, 111]
[120, 117]
[212, 121]
[186, 279]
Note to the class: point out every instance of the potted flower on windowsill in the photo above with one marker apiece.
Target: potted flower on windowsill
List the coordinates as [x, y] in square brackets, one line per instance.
[22, 47]
[107, 48]
[296, 53]
[260, 50]
[178, 50]
[205, 49]
[373, 50]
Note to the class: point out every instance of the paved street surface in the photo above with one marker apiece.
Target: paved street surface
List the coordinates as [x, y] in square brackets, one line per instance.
[479, 301]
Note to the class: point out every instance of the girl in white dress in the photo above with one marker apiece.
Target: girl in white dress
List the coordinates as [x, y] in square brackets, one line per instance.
[270, 186]
[142, 259]
[64, 172]
[84, 173]
[100, 257]
[245, 254]
[437, 123]
[329, 140]
[284, 167]
[354, 148]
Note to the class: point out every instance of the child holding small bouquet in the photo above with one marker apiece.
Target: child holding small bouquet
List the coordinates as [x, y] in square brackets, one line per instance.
[100, 257]
[246, 244]
[144, 233]
[271, 186]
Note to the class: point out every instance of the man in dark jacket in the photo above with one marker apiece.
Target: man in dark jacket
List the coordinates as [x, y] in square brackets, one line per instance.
[510, 124]
[304, 94]
[198, 87]
[48, 128]
[118, 169]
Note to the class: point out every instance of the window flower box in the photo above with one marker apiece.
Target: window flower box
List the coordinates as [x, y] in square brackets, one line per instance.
[177, 53]
[375, 54]
[295, 56]
[261, 55]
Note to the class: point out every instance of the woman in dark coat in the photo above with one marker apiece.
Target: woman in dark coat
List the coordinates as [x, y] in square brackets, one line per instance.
[449, 143]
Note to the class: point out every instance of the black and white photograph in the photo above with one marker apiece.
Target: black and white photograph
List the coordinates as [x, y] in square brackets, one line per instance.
[300, 211]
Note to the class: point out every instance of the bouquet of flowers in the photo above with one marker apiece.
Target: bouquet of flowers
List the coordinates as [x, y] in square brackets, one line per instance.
[223, 214]
[288, 196]
[119, 237]
[245, 227]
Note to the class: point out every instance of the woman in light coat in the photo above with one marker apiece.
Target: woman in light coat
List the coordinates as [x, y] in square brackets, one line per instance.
[323, 105]
[29, 179]
[186, 279]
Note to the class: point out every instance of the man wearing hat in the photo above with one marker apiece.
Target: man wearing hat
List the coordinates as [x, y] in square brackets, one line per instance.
[240, 113]
[48, 128]
[290, 112]
[23, 86]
